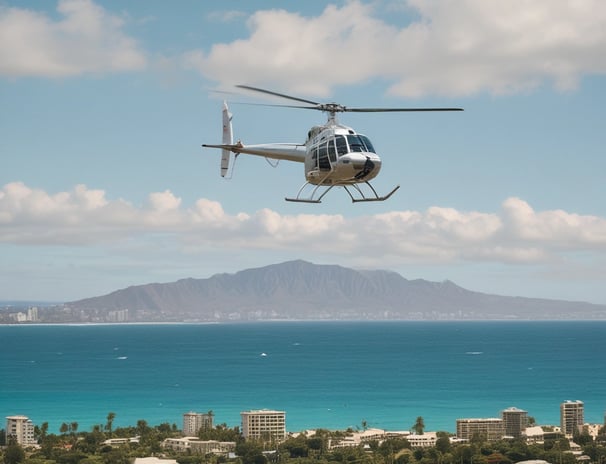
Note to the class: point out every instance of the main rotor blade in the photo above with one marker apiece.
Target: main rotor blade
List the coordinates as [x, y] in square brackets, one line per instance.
[275, 105]
[388, 110]
[269, 92]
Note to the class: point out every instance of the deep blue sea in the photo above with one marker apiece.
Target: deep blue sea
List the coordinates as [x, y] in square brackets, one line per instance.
[325, 374]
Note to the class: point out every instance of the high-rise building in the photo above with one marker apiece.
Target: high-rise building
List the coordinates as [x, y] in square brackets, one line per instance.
[488, 429]
[515, 422]
[572, 417]
[193, 422]
[264, 425]
[21, 429]
[32, 314]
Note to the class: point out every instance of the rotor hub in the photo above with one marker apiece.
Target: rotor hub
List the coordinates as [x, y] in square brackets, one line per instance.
[332, 107]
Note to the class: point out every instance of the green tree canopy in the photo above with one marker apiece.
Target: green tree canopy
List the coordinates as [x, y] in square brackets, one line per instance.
[419, 426]
[13, 454]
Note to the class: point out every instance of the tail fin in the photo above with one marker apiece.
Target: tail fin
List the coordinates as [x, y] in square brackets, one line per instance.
[228, 139]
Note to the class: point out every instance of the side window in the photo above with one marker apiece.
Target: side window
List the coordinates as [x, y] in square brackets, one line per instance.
[332, 153]
[323, 162]
[341, 144]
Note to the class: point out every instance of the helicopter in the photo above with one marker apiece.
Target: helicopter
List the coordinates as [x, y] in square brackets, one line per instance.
[334, 155]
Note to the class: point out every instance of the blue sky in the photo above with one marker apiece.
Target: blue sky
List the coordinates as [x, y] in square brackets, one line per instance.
[104, 106]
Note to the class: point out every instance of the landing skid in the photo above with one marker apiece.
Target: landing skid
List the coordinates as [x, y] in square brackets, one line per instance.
[364, 198]
[358, 198]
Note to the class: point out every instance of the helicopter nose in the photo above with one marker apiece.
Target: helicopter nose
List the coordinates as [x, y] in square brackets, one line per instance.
[365, 165]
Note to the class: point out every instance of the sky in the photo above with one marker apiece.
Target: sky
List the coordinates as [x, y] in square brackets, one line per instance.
[104, 106]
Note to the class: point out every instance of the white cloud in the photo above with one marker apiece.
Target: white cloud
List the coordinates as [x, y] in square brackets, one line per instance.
[86, 39]
[456, 47]
[558, 228]
[164, 201]
[515, 234]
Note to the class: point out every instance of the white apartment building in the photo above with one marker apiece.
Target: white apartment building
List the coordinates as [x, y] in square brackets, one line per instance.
[195, 445]
[264, 425]
[21, 428]
[571, 417]
[425, 440]
[490, 429]
[193, 422]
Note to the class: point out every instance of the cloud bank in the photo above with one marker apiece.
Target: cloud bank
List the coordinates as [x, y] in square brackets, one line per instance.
[417, 47]
[452, 47]
[514, 234]
[86, 39]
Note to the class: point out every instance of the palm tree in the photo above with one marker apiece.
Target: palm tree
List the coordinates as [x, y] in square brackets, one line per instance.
[73, 427]
[110, 421]
[142, 427]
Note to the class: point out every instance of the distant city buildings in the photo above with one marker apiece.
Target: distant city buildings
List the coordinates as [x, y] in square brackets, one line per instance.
[264, 425]
[193, 422]
[571, 417]
[21, 429]
[120, 315]
[515, 422]
[31, 315]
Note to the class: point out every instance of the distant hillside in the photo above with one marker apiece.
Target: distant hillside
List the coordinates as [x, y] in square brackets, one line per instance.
[298, 290]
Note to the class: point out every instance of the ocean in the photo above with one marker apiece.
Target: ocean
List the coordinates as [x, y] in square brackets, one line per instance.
[330, 375]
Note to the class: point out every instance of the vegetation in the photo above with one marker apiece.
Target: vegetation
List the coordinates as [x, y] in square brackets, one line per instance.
[419, 426]
[73, 446]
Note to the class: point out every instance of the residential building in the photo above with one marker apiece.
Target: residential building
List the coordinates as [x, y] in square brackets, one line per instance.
[193, 422]
[489, 429]
[515, 422]
[571, 417]
[424, 440]
[355, 439]
[20, 428]
[264, 425]
[537, 434]
[197, 446]
[120, 441]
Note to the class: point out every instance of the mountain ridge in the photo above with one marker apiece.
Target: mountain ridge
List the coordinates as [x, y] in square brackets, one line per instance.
[300, 290]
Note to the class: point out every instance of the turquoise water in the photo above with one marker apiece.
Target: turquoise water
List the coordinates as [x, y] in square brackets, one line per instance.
[328, 374]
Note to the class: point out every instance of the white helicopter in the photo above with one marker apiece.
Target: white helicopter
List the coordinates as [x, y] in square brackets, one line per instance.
[334, 155]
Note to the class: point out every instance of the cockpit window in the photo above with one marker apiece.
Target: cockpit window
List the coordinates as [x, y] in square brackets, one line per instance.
[360, 143]
[369, 146]
[341, 144]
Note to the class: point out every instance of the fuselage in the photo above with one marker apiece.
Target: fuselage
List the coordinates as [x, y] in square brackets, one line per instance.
[338, 155]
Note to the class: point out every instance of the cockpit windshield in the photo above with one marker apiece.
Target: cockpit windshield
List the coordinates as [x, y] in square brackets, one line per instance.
[360, 143]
